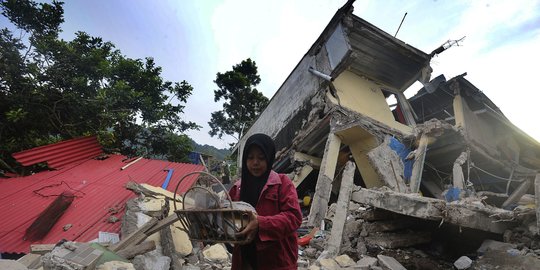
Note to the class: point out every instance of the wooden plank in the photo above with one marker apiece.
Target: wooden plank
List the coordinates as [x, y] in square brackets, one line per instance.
[162, 223]
[41, 248]
[132, 251]
[135, 237]
[324, 181]
[338, 222]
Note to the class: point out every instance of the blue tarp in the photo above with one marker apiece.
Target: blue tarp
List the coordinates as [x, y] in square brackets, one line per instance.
[402, 152]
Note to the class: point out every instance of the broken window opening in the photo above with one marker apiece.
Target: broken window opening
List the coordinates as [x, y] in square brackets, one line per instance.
[394, 106]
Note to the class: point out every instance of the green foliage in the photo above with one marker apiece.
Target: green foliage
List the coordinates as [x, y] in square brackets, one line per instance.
[52, 89]
[242, 102]
[219, 154]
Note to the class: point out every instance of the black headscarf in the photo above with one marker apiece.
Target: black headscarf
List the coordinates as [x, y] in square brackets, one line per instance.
[251, 185]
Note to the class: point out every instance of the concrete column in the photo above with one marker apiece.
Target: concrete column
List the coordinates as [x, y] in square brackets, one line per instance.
[418, 167]
[338, 223]
[324, 181]
[518, 193]
[537, 199]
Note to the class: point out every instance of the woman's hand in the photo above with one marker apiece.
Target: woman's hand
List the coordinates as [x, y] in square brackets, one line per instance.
[251, 229]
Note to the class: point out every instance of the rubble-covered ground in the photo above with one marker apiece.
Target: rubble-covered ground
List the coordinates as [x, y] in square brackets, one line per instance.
[371, 239]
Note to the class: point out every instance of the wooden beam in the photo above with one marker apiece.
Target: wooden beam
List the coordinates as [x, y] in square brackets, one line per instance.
[418, 166]
[324, 181]
[135, 237]
[338, 222]
[132, 251]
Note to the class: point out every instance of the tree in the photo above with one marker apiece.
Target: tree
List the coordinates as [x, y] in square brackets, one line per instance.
[52, 89]
[242, 102]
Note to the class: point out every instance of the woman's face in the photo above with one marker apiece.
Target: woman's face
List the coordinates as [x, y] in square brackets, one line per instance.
[256, 161]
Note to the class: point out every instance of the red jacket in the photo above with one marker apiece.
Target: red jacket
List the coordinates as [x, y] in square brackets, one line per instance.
[279, 217]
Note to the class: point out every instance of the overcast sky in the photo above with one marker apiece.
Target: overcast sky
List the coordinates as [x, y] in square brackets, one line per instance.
[193, 40]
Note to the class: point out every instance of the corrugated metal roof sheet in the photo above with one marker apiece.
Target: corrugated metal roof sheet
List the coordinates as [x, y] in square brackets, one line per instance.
[99, 185]
[60, 154]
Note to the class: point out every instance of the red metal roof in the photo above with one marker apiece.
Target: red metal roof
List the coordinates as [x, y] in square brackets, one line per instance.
[60, 154]
[99, 185]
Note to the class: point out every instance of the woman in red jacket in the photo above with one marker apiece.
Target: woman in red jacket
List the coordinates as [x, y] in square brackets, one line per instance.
[272, 231]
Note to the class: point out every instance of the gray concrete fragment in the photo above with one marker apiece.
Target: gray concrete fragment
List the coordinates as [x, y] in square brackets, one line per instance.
[390, 263]
[463, 262]
[344, 261]
[367, 262]
[489, 244]
[329, 264]
[152, 260]
[310, 252]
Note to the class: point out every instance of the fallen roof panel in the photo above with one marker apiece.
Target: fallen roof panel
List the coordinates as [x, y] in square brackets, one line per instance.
[98, 185]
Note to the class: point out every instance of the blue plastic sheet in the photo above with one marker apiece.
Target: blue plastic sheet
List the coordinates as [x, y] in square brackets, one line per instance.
[402, 152]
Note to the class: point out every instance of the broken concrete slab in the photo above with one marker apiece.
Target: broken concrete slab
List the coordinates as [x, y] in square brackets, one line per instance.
[387, 225]
[390, 263]
[397, 240]
[459, 213]
[79, 256]
[502, 260]
[30, 260]
[388, 166]
[12, 265]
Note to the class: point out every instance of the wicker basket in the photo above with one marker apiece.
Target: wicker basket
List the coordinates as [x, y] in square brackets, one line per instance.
[218, 225]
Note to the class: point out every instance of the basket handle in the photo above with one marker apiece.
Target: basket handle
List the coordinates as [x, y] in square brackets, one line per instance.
[199, 172]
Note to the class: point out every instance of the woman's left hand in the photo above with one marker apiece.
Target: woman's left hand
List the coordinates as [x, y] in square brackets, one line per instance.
[251, 229]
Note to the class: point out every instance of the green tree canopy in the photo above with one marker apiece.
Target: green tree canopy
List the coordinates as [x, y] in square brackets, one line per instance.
[242, 102]
[52, 89]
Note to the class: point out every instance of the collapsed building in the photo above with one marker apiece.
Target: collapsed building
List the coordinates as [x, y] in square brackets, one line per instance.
[447, 154]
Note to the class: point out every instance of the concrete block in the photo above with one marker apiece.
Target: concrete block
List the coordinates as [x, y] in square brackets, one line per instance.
[329, 264]
[182, 244]
[216, 253]
[390, 263]
[152, 260]
[344, 260]
[314, 267]
[463, 262]
[367, 262]
[116, 265]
